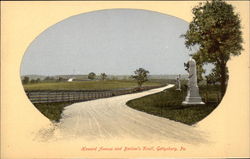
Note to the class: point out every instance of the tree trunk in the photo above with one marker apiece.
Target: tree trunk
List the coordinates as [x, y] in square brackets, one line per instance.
[139, 86]
[223, 79]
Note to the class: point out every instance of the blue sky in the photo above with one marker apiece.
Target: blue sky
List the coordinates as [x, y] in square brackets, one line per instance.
[115, 41]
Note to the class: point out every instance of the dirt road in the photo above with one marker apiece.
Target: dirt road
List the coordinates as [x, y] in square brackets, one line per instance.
[111, 118]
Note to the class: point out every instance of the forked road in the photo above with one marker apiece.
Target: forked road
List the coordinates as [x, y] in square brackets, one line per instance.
[112, 118]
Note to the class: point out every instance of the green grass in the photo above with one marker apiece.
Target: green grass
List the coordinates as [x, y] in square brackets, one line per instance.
[168, 104]
[86, 85]
[52, 111]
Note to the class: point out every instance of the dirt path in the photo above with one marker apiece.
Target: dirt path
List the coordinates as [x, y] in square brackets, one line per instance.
[111, 118]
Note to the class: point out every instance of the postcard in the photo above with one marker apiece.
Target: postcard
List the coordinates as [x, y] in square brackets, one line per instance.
[124, 79]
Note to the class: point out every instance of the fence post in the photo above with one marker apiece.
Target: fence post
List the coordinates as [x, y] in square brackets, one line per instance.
[62, 96]
[68, 96]
[74, 96]
[39, 97]
[85, 96]
[47, 97]
[89, 96]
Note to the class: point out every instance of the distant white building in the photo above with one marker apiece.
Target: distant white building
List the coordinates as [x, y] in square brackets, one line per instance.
[71, 79]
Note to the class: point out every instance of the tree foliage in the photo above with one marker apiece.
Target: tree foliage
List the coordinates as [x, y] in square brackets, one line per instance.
[49, 79]
[216, 29]
[32, 81]
[60, 79]
[91, 76]
[38, 80]
[141, 76]
[103, 76]
[25, 80]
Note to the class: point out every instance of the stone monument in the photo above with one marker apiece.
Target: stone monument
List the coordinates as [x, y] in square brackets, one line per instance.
[193, 96]
[178, 83]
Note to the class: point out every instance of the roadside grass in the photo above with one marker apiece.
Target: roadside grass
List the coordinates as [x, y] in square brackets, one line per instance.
[86, 85]
[167, 104]
[52, 111]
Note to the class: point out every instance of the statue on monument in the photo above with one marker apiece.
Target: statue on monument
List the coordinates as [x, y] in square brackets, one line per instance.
[193, 96]
[178, 83]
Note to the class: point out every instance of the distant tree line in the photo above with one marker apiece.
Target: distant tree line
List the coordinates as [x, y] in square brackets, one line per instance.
[140, 76]
[27, 80]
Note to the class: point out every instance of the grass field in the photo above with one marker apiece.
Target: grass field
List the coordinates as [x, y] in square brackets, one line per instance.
[168, 104]
[52, 111]
[86, 85]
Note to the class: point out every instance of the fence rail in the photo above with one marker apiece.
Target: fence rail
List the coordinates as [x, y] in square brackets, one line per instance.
[77, 96]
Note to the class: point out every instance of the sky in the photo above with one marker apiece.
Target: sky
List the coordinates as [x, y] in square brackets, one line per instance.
[114, 41]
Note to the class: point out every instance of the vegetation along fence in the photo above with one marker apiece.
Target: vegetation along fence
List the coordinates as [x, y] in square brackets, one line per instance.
[79, 95]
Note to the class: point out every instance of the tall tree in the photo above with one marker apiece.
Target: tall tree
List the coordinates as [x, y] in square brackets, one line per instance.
[25, 80]
[103, 76]
[141, 76]
[38, 80]
[216, 29]
[91, 76]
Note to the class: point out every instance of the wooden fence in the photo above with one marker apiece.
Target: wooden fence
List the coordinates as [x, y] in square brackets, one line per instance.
[79, 95]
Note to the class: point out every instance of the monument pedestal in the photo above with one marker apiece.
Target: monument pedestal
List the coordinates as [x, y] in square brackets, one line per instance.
[192, 101]
[193, 96]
